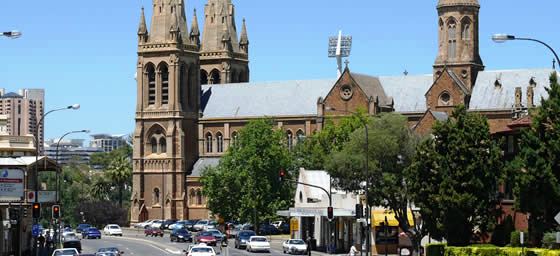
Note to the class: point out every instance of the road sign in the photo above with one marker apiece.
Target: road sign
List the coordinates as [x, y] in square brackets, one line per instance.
[557, 218]
[35, 230]
[11, 184]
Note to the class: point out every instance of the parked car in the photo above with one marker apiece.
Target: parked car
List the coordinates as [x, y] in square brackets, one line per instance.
[177, 225]
[165, 224]
[258, 243]
[151, 231]
[217, 234]
[268, 229]
[284, 228]
[233, 231]
[294, 246]
[277, 223]
[112, 230]
[242, 238]
[207, 238]
[81, 227]
[181, 235]
[144, 224]
[71, 240]
[200, 225]
[91, 233]
[211, 225]
[67, 251]
[157, 224]
[201, 250]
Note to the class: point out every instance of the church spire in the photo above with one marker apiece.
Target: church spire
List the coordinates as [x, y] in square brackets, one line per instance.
[244, 39]
[219, 24]
[168, 13]
[195, 31]
[142, 28]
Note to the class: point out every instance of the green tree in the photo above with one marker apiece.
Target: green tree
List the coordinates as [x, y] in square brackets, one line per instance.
[454, 178]
[536, 169]
[120, 173]
[245, 183]
[391, 147]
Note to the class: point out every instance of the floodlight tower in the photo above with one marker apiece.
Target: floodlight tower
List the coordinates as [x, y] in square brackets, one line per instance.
[339, 47]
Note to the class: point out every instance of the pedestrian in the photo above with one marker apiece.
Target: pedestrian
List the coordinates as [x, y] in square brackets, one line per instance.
[41, 240]
[353, 250]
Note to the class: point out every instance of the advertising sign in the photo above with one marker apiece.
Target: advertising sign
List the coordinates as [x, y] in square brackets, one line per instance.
[11, 185]
[44, 196]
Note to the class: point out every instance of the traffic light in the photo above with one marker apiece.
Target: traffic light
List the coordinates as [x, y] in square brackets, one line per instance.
[14, 214]
[330, 213]
[24, 212]
[281, 175]
[56, 212]
[36, 210]
[359, 211]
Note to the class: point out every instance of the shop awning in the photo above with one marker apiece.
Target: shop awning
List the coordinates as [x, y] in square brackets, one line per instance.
[312, 212]
[378, 217]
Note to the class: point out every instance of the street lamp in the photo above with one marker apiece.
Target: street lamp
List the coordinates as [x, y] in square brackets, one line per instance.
[11, 34]
[368, 212]
[502, 38]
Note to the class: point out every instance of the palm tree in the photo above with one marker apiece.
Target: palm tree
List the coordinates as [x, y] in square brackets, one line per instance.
[101, 188]
[120, 172]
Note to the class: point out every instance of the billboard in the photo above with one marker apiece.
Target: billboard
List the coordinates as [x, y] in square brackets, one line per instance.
[11, 185]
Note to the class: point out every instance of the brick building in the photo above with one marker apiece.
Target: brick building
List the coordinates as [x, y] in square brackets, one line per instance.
[188, 114]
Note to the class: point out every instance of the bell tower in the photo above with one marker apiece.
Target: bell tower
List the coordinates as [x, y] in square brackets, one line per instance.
[458, 40]
[167, 111]
[223, 58]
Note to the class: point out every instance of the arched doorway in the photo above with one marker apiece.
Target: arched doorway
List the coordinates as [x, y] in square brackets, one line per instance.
[144, 216]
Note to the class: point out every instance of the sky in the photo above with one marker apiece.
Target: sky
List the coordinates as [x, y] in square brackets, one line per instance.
[85, 51]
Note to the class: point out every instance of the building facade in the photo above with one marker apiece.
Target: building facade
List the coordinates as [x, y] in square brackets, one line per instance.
[23, 109]
[107, 142]
[177, 137]
[70, 151]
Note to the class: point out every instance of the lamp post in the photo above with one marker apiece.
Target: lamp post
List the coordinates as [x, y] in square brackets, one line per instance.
[368, 212]
[36, 176]
[11, 34]
[502, 38]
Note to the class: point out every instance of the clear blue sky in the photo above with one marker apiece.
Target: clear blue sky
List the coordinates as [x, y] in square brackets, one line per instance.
[85, 51]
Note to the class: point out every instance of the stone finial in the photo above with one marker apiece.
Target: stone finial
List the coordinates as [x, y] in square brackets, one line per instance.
[518, 97]
[195, 31]
[530, 96]
[142, 28]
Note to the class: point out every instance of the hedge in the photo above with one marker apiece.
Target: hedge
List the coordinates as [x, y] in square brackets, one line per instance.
[435, 249]
[497, 251]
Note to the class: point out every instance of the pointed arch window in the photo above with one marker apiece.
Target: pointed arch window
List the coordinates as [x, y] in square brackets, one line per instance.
[192, 196]
[220, 142]
[164, 85]
[156, 196]
[300, 136]
[290, 140]
[452, 39]
[235, 138]
[163, 145]
[203, 77]
[183, 88]
[209, 139]
[151, 73]
[199, 200]
[466, 30]
[154, 145]
[215, 77]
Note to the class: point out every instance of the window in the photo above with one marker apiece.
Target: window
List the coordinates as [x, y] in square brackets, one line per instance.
[192, 195]
[154, 144]
[209, 143]
[290, 140]
[300, 136]
[215, 77]
[466, 30]
[234, 137]
[220, 143]
[510, 144]
[151, 85]
[203, 77]
[163, 145]
[164, 85]
[156, 196]
[452, 39]
[183, 87]
[199, 197]
[444, 99]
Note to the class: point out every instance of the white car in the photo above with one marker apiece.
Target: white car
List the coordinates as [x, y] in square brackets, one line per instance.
[144, 224]
[201, 250]
[199, 226]
[294, 246]
[112, 230]
[67, 251]
[156, 224]
[258, 243]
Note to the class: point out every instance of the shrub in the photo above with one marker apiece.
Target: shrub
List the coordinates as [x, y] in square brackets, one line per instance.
[514, 239]
[435, 249]
[549, 240]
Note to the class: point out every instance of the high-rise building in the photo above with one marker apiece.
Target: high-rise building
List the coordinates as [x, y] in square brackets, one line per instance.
[70, 151]
[107, 142]
[23, 110]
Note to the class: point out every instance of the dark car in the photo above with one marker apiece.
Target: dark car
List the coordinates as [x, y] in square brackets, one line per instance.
[242, 238]
[181, 235]
[107, 250]
[284, 228]
[91, 233]
[166, 223]
[149, 231]
[71, 240]
[268, 229]
[81, 227]
[207, 238]
[189, 224]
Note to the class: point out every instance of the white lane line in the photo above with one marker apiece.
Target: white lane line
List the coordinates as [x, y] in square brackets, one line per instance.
[172, 251]
[150, 243]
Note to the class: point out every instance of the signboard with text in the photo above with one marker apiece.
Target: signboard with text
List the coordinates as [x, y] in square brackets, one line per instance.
[11, 185]
[44, 196]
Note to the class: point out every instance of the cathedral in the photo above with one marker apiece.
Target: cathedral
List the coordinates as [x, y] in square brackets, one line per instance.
[193, 96]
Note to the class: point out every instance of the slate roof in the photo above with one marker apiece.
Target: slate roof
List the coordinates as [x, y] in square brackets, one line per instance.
[202, 164]
[372, 87]
[440, 116]
[407, 91]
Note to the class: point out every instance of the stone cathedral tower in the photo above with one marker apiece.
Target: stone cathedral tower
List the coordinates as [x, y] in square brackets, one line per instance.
[458, 40]
[167, 111]
[223, 58]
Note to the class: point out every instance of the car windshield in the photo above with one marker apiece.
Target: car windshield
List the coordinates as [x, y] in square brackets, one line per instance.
[205, 234]
[92, 230]
[114, 227]
[297, 242]
[215, 232]
[246, 234]
[182, 231]
[71, 236]
[201, 249]
[65, 252]
[112, 249]
[258, 239]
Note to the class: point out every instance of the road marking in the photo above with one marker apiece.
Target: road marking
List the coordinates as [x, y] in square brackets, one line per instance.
[150, 243]
[173, 252]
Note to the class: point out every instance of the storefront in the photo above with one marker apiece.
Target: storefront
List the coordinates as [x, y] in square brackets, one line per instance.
[387, 236]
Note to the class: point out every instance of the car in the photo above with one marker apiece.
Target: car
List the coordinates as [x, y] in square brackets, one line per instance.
[150, 231]
[157, 224]
[233, 231]
[242, 238]
[268, 229]
[177, 225]
[66, 251]
[184, 224]
[71, 240]
[200, 225]
[211, 225]
[81, 227]
[207, 238]
[181, 235]
[110, 250]
[165, 224]
[201, 250]
[258, 243]
[277, 223]
[284, 228]
[91, 233]
[112, 230]
[217, 234]
[106, 254]
[144, 224]
[294, 246]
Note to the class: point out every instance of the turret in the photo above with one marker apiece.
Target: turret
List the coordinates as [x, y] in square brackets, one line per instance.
[195, 31]
[244, 39]
[142, 29]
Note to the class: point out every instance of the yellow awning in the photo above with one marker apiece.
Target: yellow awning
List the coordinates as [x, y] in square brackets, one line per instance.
[378, 216]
